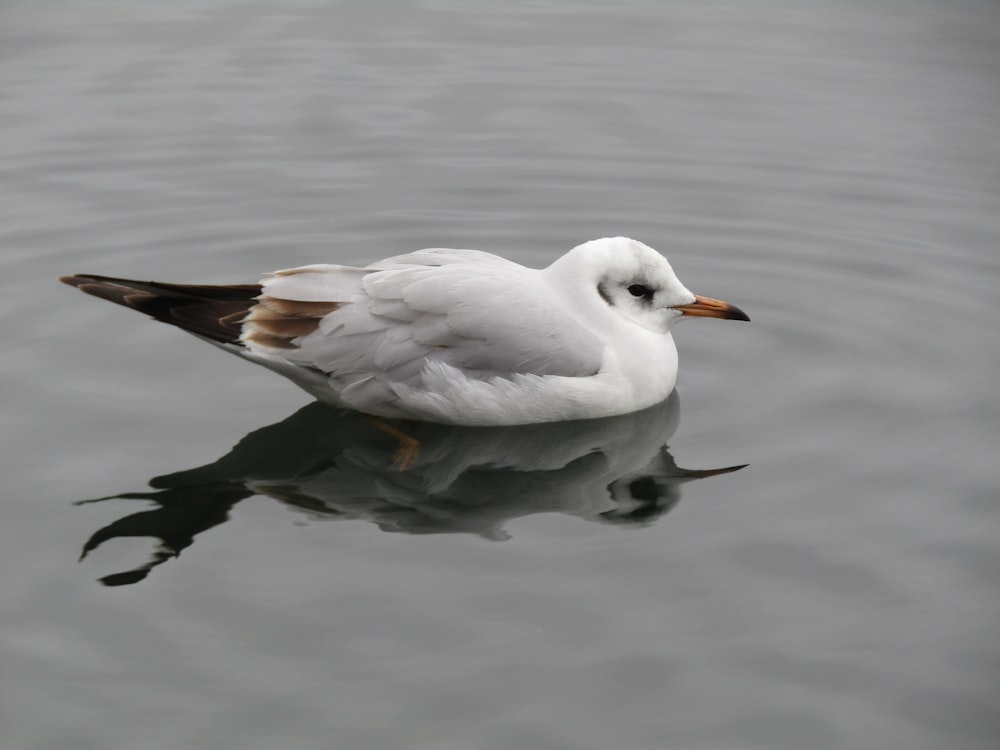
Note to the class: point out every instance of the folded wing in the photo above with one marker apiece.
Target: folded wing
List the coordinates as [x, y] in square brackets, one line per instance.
[369, 329]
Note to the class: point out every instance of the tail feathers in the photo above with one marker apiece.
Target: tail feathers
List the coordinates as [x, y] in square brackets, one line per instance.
[215, 312]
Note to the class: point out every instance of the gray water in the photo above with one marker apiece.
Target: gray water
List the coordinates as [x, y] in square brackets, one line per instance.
[833, 169]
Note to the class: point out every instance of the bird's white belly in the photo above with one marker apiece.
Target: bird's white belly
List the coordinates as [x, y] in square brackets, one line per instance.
[447, 394]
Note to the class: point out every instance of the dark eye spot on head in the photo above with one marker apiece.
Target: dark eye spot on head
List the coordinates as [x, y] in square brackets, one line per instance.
[641, 290]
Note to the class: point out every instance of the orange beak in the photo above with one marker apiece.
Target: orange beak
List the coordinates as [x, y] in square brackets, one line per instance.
[706, 307]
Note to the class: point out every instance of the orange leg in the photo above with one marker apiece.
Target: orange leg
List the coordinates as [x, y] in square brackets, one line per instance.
[409, 447]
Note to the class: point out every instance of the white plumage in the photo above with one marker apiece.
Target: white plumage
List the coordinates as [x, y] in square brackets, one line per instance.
[453, 336]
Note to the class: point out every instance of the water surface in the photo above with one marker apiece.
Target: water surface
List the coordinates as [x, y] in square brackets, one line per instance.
[833, 169]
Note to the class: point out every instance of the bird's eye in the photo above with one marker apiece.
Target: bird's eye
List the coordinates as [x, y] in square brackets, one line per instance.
[638, 290]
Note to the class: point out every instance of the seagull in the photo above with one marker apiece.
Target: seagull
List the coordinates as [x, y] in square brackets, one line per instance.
[458, 337]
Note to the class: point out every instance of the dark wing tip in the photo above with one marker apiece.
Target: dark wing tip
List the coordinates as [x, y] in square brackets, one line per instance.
[83, 280]
[215, 312]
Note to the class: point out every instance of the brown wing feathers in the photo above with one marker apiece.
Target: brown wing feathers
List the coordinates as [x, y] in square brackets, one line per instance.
[215, 312]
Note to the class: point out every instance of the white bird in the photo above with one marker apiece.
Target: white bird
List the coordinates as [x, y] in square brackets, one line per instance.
[452, 336]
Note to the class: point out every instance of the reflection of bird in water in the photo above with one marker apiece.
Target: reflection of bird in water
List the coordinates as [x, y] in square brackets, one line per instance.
[332, 464]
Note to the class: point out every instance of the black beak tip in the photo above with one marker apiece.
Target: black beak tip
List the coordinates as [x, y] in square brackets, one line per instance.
[738, 314]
